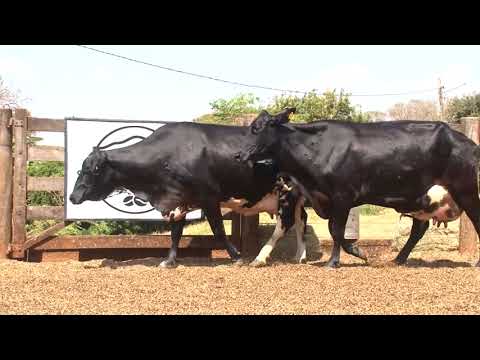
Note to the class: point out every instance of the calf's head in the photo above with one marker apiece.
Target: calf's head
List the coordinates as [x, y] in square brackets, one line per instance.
[94, 181]
[266, 131]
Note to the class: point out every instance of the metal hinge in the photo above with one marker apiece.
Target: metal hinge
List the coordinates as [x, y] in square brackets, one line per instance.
[16, 122]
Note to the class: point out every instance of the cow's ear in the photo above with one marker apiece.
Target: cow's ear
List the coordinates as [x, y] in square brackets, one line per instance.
[260, 122]
[283, 117]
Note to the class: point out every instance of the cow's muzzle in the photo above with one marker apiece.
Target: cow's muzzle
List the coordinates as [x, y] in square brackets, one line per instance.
[77, 198]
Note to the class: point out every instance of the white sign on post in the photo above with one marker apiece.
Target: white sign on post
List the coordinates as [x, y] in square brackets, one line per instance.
[352, 227]
[81, 135]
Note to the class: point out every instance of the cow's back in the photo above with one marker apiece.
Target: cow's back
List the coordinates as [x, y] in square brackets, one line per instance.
[207, 152]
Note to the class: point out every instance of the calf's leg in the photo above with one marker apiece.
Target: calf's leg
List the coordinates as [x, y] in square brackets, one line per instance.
[300, 228]
[280, 230]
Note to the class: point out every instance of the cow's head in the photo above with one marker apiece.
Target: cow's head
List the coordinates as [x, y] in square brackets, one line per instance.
[266, 130]
[94, 180]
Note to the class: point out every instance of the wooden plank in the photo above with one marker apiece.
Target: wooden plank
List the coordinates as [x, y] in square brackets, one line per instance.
[45, 212]
[125, 242]
[43, 235]
[58, 256]
[54, 183]
[6, 161]
[236, 229]
[45, 124]
[362, 242]
[46, 153]
[248, 233]
[468, 236]
[20, 181]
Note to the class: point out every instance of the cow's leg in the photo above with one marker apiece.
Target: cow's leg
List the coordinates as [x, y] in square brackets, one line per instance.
[214, 217]
[176, 234]
[280, 230]
[334, 260]
[472, 209]
[337, 230]
[470, 202]
[418, 230]
[300, 228]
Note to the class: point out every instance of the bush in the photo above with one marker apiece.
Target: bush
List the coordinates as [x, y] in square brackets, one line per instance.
[369, 210]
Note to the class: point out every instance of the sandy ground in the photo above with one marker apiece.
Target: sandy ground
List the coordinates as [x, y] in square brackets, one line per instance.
[436, 280]
[432, 283]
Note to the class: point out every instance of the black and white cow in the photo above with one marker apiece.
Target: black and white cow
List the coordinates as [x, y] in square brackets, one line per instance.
[423, 169]
[184, 166]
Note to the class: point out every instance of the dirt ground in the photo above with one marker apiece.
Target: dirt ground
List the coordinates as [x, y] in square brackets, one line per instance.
[436, 280]
[441, 282]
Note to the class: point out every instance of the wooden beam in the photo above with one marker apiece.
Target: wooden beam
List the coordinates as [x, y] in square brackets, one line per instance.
[468, 238]
[54, 183]
[248, 234]
[5, 182]
[43, 235]
[46, 153]
[236, 231]
[45, 212]
[20, 181]
[125, 242]
[44, 124]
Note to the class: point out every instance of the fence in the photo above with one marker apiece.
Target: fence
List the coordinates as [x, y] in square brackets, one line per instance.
[14, 212]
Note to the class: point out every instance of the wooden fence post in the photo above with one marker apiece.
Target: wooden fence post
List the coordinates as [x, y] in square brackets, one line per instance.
[236, 231]
[467, 234]
[248, 233]
[19, 182]
[5, 182]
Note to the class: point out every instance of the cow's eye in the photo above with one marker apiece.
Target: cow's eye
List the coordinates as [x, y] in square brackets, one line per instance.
[97, 168]
[79, 172]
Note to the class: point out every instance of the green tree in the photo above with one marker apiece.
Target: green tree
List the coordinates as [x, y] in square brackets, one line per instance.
[313, 106]
[226, 111]
[462, 107]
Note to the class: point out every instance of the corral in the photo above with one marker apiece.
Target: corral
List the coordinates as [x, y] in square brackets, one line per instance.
[125, 279]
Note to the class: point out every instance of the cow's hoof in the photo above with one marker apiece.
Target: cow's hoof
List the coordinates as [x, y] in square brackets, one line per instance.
[257, 263]
[168, 264]
[299, 261]
[396, 263]
[332, 265]
[238, 262]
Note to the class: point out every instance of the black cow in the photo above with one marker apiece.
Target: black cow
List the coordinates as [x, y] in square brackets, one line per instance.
[421, 168]
[183, 166]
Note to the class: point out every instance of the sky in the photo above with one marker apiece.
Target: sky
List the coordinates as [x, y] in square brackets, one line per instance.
[66, 80]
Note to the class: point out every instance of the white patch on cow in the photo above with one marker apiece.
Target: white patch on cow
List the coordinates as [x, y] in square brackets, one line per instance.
[447, 211]
[269, 204]
[436, 193]
[176, 215]
[301, 254]
[268, 247]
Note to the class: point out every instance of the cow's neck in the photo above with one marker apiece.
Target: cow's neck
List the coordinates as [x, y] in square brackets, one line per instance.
[127, 169]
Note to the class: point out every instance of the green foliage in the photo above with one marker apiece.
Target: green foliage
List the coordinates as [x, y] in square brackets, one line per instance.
[45, 168]
[313, 107]
[371, 210]
[310, 107]
[463, 107]
[225, 111]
